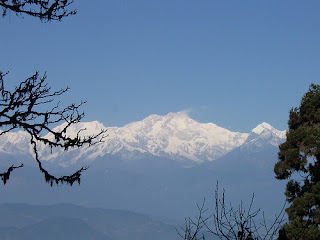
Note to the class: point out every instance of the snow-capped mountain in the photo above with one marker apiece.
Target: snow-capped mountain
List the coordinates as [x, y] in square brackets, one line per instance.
[151, 166]
[174, 136]
[262, 134]
[15, 143]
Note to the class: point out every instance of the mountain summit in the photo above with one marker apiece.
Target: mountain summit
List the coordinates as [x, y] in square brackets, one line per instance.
[174, 136]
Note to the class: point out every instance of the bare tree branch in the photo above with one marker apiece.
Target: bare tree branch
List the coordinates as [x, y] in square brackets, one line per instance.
[45, 10]
[22, 108]
[6, 175]
[192, 228]
[231, 223]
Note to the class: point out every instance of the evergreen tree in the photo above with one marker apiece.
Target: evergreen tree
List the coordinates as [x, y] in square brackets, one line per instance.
[300, 154]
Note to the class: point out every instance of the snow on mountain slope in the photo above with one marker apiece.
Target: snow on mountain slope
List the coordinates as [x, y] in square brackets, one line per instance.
[175, 136]
[264, 134]
[265, 127]
[15, 143]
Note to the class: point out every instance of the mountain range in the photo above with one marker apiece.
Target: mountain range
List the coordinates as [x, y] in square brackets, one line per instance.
[174, 136]
[161, 166]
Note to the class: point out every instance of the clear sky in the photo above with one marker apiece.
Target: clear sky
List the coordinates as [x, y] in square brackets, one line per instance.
[233, 63]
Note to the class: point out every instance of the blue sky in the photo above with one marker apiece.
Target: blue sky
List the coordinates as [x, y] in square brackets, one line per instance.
[234, 63]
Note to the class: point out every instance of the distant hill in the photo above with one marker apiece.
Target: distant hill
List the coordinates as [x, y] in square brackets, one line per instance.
[66, 221]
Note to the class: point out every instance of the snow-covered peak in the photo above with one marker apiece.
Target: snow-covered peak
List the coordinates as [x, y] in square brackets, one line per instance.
[178, 115]
[175, 136]
[85, 128]
[15, 142]
[266, 127]
[261, 127]
[178, 118]
[262, 135]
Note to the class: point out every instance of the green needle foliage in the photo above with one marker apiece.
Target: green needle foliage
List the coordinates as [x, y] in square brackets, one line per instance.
[301, 154]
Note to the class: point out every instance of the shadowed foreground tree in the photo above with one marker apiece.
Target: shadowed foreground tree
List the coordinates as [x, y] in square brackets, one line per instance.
[300, 153]
[22, 108]
[45, 10]
[229, 223]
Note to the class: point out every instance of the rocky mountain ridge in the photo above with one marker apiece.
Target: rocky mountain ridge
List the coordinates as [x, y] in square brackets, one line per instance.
[175, 136]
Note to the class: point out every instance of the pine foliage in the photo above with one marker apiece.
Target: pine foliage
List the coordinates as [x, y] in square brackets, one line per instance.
[301, 154]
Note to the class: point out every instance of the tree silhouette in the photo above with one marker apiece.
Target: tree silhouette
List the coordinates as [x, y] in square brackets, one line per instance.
[300, 153]
[227, 222]
[45, 10]
[22, 108]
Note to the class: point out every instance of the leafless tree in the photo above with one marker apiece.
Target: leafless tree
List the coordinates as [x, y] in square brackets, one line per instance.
[45, 10]
[193, 228]
[230, 223]
[22, 108]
